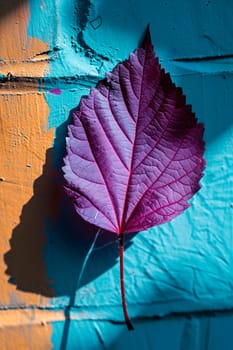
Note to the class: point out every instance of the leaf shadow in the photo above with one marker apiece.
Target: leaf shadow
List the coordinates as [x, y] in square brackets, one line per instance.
[49, 245]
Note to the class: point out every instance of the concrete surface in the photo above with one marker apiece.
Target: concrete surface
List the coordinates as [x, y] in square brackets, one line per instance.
[179, 276]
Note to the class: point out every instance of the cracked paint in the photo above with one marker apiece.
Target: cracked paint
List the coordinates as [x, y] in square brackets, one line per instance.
[178, 276]
[23, 114]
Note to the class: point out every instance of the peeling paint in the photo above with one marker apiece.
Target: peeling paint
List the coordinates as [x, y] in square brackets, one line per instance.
[181, 268]
[22, 112]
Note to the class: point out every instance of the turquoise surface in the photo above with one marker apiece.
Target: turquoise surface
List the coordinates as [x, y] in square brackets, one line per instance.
[181, 267]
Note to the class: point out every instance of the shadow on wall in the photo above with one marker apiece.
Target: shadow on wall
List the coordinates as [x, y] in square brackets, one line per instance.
[52, 240]
[24, 261]
[7, 7]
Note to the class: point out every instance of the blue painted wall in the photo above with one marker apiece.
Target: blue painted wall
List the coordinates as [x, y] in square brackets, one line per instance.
[181, 267]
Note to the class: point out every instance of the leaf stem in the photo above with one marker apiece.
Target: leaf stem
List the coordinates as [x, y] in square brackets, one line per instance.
[123, 299]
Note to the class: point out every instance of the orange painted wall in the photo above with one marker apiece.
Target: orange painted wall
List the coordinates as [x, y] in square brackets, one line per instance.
[24, 139]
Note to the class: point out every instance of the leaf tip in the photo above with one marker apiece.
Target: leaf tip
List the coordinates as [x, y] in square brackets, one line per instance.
[147, 43]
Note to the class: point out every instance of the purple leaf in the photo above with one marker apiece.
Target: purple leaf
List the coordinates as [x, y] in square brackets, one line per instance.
[134, 151]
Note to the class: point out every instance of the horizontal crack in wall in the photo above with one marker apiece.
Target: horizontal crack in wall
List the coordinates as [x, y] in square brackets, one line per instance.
[204, 58]
[34, 314]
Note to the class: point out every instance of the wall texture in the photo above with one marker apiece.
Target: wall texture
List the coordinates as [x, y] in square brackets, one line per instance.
[179, 276]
